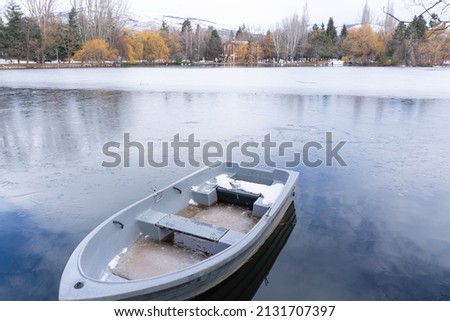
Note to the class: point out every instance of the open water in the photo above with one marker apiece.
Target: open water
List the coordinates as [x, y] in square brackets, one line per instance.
[376, 229]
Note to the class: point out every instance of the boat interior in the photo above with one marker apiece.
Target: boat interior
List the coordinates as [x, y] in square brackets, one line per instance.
[178, 227]
[212, 222]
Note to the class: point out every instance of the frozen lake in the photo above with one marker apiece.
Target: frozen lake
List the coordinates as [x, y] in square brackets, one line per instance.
[376, 229]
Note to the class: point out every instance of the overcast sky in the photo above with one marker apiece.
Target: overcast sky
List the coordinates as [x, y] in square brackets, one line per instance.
[266, 13]
[261, 13]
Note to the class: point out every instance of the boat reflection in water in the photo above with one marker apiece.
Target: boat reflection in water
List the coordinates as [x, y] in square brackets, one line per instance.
[244, 284]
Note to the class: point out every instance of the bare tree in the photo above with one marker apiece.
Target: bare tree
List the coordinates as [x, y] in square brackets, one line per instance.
[199, 41]
[187, 38]
[436, 12]
[389, 22]
[366, 18]
[304, 29]
[277, 38]
[292, 34]
[42, 11]
[101, 19]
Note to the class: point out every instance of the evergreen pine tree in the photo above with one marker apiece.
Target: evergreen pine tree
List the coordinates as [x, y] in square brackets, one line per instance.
[434, 20]
[214, 47]
[164, 27]
[239, 32]
[2, 37]
[14, 37]
[71, 36]
[32, 37]
[417, 28]
[331, 30]
[320, 44]
[186, 26]
[344, 32]
[397, 45]
[243, 33]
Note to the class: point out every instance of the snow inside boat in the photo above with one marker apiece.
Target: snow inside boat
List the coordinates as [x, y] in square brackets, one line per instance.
[183, 240]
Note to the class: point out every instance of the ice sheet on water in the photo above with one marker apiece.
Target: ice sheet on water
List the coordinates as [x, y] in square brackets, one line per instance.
[230, 216]
[146, 258]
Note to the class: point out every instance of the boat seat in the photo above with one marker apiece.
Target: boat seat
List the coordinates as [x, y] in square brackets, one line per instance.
[205, 194]
[197, 235]
[207, 237]
[147, 224]
[159, 225]
[236, 197]
[259, 208]
[187, 226]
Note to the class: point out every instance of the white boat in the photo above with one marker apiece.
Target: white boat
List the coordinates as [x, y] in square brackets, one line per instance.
[183, 240]
[336, 63]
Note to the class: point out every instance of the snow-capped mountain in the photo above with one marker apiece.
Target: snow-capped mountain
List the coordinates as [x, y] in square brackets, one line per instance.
[153, 21]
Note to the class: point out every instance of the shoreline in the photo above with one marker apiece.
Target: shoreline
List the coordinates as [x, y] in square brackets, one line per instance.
[15, 66]
[87, 66]
[25, 66]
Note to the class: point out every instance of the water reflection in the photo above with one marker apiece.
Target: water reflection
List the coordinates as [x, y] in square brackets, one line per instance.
[31, 257]
[37, 125]
[349, 247]
[377, 229]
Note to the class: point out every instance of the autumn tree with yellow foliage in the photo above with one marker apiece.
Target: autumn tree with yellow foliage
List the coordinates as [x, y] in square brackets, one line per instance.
[363, 45]
[242, 53]
[96, 51]
[129, 47]
[153, 47]
[434, 49]
[143, 46]
[172, 40]
[249, 53]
